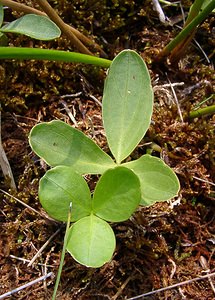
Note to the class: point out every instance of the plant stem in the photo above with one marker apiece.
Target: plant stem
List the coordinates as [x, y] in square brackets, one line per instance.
[21, 7]
[23, 53]
[180, 49]
[63, 253]
[57, 20]
[212, 96]
[27, 285]
[209, 110]
[186, 31]
[194, 11]
[30, 10]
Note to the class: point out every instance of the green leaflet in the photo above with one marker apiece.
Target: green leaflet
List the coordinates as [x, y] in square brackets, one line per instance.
[158, 181]
[91, 241]
[60, 144]
[60, 186]
[117, 195]
[127, 103]
[37, 27]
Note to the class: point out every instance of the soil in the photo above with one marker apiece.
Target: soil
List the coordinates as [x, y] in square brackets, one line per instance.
[167, 243]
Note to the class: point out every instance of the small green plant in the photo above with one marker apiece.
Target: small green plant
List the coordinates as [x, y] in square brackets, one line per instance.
[198, 13]
[34, 26]
[127, 109]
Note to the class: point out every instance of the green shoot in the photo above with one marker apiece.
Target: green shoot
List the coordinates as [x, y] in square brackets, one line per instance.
[209, 110]
[198, 13]
[51, 55]
[63, 253]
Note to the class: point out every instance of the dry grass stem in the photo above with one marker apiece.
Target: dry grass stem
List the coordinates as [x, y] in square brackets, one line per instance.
[43, 247]
[4, 163]
[172, 286]
[176, 100]
[24, 260]
[69, 112]
[24, 204]
[26, 285]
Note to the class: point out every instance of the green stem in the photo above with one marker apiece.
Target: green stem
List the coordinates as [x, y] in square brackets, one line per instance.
[51, 55]
[194, 10]
[209, 110]
[63, 253]
[212, 96]
[186, 31]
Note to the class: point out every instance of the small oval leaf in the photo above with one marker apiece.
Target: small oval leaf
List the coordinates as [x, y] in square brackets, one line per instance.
[60, 144]
[158, 181]
[117, 195]
[37, 27]
[127, 103]
[60, 186]
[91, 241]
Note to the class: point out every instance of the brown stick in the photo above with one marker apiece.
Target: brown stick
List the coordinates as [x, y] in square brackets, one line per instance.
[21, 7]
[30, 10]
[55, 18]
[4, 163]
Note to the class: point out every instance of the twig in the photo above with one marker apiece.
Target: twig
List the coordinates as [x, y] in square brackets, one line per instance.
[167, 85]
[206, 181]
[96, 100]
[4, 163]
[26, 285]
[204, 264]
[122, 288]
[172, 286]
[69, 112]
[71, 95]
[56, 19]
[203, 52]
[43, 247]
[173, 268]
[21, 7]
[24, 204]
[176, 100]
[182, 13]
[28, 261]
[157, 7]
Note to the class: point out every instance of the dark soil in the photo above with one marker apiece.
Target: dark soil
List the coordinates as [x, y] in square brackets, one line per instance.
[160, 245]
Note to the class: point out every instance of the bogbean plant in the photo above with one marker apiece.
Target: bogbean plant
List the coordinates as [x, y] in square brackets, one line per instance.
[123, 185]
[34, 26]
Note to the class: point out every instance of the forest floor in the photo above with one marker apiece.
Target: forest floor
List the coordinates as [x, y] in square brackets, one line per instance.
[161, 245]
